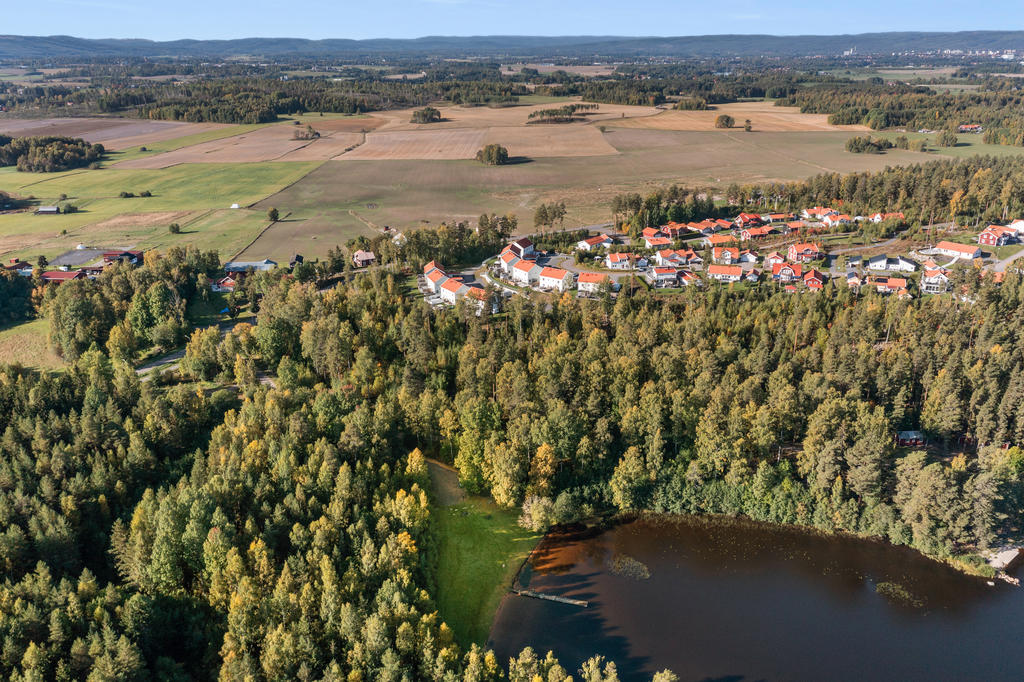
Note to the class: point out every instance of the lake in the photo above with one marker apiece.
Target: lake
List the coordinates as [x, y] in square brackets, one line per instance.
[735, 600]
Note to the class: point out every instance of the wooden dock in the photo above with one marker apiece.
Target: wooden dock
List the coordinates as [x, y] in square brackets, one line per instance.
[549, 597]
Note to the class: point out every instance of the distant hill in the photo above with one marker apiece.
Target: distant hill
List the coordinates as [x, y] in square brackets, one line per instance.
[42, 47]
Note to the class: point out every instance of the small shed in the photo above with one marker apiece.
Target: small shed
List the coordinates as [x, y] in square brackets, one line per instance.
[48, 210]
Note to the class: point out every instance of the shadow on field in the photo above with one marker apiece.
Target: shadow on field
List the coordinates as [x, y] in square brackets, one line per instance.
[515, 160]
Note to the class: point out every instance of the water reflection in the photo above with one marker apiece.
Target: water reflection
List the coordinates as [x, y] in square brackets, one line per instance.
[744, 601]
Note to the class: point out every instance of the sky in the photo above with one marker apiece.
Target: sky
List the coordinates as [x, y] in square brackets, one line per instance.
[220, 19]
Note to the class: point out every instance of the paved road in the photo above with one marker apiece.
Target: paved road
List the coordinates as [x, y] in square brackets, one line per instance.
[1001, 264]
[169, 361]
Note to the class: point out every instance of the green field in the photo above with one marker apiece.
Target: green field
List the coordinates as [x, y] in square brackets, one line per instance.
[26, 344]
[967, 145]
[179, 142]
[203, 192]
[480, 547]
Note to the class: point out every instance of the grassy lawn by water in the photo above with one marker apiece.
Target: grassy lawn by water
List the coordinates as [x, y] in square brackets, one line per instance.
[480, 547]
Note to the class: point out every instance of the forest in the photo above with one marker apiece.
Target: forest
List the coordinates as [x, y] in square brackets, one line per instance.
[48, 154]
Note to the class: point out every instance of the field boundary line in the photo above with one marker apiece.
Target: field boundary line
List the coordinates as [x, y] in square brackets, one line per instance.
[293, 182]
[261, 233]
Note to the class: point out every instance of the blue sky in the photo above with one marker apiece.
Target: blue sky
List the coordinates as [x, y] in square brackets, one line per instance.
[206, 19]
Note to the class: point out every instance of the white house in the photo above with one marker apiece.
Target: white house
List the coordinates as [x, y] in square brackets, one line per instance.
[435, 278]
[621, 261]
[522, 247]
[657, 242]
[554, 278]
[507, 260]
[452, 290]
[725, 273]
[954, 250]
[897, 264]
[591, 243]
[525, 272]
[935, 281]
[662, 277]
[591, 282]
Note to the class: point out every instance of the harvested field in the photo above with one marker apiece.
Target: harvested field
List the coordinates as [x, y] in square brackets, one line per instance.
[489, 117]
[592, 70]
[550, 140]
[325, 147]
[113, 133]
[460, 143]
[765, 117]
[263, 144]
[349, 124]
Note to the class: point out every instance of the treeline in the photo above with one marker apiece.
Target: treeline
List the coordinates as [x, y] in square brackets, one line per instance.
[564, 114]
[48, 154]
[127, 310]
[881, 106]
[674, 204]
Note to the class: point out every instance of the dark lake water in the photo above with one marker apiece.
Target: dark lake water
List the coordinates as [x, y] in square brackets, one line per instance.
[729, 600]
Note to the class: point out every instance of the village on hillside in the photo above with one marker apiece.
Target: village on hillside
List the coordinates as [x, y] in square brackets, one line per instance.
[782, 249]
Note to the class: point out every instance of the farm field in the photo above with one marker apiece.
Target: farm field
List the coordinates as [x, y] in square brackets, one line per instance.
[201, 191]
[113, 133]
[26, 344]
[421, 192]
[764, 116]
[967, 145]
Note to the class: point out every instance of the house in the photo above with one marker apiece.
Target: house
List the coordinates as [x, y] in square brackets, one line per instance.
[1018, 227]
[897, 264]
[507, 259]
[854, 280]
[757, 232]
[804, 252]
[954, 250]
[773, 258]
[817, 213]
[621, 261]
[667, 257]
[725, 273]
[92, 271]
[435, 278]
[776, 217]
[889, 285]
[997, 235]
[60, 276]
[747, 220]
[726, 255]
[969, 128]
[718, 240]
[657, 242]
[673, 230]
[935, 281]
[753, 275]
[19, 267]
[661, 277]
[705, 227]
[834, 219]
[591, 243]
[554, 278]
[910, 439]
[224, 284]
[722, 224]
[48, 210]
[523, 248]
[795, 226]
[525, 272]
[244, 266]
[362, 259]
[590, 283]
[451, 290]
[687, 278]
[787, 272]
[130, 257]
[882, 217]
[652, 233]
[815, 279]
[431, 266]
